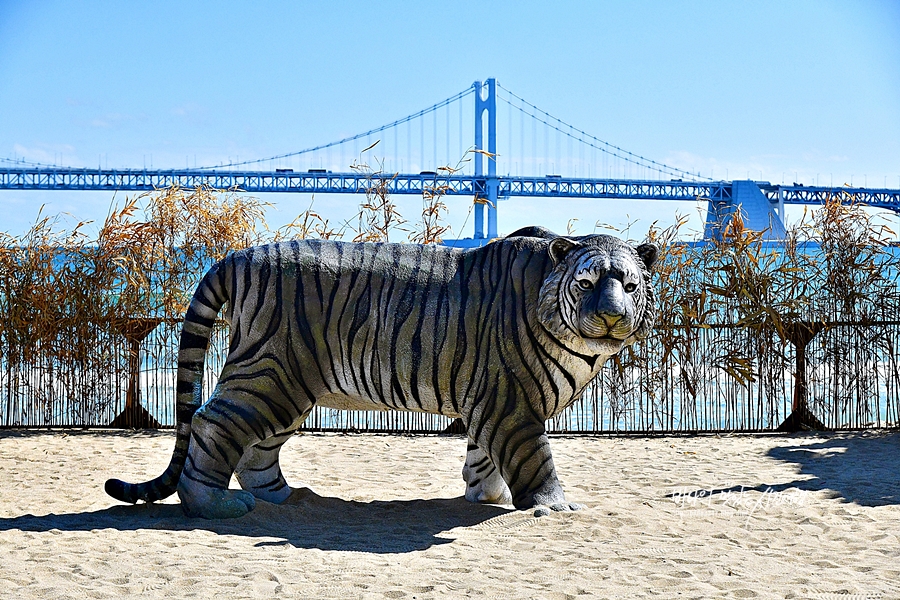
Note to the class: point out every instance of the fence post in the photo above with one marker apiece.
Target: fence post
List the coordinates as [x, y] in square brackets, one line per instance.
[800, 334]
[134, 415]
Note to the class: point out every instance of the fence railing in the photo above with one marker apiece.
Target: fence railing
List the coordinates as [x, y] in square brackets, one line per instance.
[751, 335]
[851, 379]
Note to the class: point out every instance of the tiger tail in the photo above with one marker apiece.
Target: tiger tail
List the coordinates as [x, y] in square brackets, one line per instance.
[209, 298]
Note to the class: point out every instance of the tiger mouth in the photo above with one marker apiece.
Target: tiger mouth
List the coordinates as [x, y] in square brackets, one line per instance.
[596, 327]
[608, 337]
[604, 333]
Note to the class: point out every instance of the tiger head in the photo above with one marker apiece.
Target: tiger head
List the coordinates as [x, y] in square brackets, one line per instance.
[597, 298]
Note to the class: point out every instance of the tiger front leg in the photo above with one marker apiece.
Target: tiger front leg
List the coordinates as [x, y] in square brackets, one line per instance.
[483, 480]
[521, 450]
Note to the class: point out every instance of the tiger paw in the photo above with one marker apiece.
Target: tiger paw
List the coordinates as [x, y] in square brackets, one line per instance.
[543, 511]
[490, 490]
[484, 484]
[276, 491]
[212, 503]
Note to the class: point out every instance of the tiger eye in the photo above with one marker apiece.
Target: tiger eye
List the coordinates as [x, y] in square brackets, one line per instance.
[585, 284]
[630, 287]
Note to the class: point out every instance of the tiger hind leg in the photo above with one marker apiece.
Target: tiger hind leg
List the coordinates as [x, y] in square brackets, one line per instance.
[483, 480]
[259, 471]
[222, 430]
[212, 456]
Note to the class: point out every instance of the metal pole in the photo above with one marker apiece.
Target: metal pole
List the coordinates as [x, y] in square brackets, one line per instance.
[491, 107]
[478, 207]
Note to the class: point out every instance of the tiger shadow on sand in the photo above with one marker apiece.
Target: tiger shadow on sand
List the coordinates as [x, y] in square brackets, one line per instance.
[856, 467]
[305, 520]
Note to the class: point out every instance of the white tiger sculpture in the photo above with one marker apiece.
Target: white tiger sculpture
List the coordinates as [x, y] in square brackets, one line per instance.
[504, 337]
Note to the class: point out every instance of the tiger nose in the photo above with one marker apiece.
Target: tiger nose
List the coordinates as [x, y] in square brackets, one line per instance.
[612, 305]
[610, 318]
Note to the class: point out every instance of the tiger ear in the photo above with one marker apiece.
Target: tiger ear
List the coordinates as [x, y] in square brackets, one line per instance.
[648, 252]
[559, 247]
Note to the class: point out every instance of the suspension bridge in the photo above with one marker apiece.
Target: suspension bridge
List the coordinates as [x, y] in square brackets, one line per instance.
[543, 156]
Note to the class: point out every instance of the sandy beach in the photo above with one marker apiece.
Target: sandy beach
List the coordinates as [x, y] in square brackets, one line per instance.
[382, 516]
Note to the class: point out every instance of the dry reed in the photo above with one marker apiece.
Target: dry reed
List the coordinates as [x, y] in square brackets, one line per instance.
[750, 332]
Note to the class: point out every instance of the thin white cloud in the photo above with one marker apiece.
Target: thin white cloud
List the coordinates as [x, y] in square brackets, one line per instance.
[808, 169]
[191, 113]
[109, 120]
[63, 154]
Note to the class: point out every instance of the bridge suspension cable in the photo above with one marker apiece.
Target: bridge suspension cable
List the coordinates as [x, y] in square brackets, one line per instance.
[543, 127]
[30, 163]
[589, 140]
[358, 136]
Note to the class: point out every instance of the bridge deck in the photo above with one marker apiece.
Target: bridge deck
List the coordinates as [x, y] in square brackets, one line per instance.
[468, 185]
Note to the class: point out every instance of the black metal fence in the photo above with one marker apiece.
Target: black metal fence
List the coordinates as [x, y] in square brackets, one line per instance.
[751, 335]
[852, 380]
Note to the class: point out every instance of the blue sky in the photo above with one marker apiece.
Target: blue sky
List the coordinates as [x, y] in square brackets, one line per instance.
[770, 90]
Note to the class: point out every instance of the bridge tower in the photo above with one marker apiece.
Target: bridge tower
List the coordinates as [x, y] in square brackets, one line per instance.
[486, 101]
[760, 214]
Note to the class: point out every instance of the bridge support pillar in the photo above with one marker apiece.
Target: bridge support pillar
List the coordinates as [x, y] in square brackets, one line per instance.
[492, 208]
[486, 101]
[479, 221]
[758, 212]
